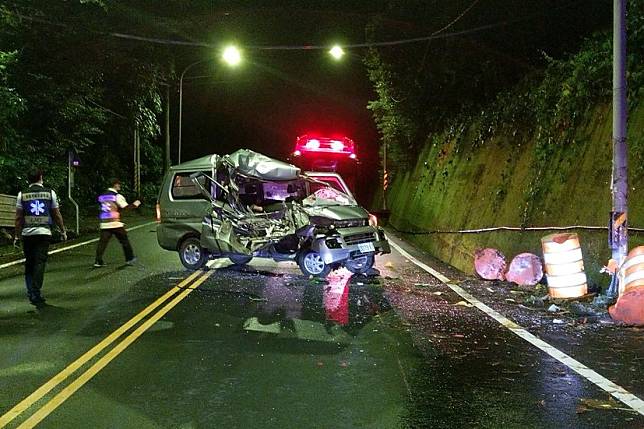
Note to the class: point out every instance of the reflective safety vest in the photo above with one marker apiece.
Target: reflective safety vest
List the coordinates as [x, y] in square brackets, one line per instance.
[36, 204]
[109, 210]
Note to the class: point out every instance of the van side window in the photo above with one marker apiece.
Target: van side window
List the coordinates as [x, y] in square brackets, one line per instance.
[184, 189]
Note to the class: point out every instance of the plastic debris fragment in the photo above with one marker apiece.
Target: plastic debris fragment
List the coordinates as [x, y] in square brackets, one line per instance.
[490, 264]
[525, 270]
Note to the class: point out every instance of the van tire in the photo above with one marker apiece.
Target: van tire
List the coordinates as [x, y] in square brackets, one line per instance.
[192, 255]
[239, 259]
[312, 264]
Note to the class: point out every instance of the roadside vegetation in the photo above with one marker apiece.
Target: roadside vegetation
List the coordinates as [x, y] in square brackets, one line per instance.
[501, 81]
[537, 153]
[81, 90]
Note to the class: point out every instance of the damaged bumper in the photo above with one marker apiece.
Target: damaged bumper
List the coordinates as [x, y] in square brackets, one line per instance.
[351, 243]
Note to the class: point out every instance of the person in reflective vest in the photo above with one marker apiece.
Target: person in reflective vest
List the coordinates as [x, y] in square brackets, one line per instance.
[111, 203]
[36, 211]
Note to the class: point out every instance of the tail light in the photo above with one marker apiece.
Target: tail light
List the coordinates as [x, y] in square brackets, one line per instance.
[158, 211]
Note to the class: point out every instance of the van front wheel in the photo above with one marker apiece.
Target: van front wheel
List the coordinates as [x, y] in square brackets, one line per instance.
[191, 254]
[312, 264]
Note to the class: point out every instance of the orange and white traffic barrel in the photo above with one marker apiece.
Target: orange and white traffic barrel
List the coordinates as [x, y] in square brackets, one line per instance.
[564, 266]
[630, 303]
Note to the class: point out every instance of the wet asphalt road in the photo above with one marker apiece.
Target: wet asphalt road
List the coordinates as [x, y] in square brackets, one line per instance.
[264, 347]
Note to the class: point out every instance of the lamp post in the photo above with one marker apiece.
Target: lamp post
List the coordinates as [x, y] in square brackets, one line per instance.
[181, 102]
[230, 55]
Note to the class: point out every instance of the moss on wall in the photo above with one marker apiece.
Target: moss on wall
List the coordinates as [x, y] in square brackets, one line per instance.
[461, 182]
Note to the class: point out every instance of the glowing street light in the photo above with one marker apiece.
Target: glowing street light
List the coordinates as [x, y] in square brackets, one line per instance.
[231, 56]
[336, 52]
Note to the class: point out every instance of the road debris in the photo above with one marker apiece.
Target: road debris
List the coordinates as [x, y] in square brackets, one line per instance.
[490, 264]
[586, 404]
[534, 301]
[525, 270]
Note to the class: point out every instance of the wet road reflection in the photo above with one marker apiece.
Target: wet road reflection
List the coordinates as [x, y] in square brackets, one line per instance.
[265, 347]
[327, 311]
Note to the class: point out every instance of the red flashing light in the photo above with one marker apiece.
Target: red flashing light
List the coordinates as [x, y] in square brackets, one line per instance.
[337, 145]
[312, 144]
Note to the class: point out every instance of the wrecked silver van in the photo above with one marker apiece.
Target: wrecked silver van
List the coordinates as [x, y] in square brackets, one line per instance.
[246, 205]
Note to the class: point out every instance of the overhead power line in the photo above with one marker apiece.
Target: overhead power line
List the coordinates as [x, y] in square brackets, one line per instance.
[436, 35]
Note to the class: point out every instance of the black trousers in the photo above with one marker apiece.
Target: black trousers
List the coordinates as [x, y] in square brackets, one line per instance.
[35, 248]
[121, 236]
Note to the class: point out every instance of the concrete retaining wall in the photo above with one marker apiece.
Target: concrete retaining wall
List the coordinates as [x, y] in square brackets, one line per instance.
[456, 184]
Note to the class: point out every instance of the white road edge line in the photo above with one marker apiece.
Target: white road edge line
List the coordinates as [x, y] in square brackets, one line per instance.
[73, 246]
[605, 384]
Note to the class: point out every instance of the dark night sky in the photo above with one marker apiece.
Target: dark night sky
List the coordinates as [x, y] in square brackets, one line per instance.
[276, 95]
[267, 102]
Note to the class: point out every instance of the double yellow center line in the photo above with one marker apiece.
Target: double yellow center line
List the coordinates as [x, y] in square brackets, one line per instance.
[185, 288]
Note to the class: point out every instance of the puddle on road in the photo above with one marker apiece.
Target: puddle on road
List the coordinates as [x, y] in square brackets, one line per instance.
[293, 307]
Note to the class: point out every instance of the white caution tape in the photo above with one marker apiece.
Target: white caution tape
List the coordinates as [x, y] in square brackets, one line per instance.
[73, 246]
[602, 382]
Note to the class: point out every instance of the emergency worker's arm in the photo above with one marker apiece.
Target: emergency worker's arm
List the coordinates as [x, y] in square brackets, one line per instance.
[58, 218]
[55, 212]
[20, 220]
[123, 205]
[134, 205]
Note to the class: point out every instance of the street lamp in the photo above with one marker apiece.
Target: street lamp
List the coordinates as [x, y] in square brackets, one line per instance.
[231, 55]
[336, 52]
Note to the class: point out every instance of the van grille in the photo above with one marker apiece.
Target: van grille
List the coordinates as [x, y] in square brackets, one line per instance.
[359, 238]
[350, 223]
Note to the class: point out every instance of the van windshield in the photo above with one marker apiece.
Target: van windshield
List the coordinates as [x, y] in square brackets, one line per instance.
[325, 196]
[306, 192]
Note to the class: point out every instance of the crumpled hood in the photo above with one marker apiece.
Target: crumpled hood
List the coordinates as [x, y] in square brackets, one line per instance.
[337, 212]
[255, 164]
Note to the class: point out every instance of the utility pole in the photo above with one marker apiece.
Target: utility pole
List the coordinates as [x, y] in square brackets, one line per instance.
[137, 162]
[385, 176]
[619, 185]
[72, 162]
[167, 128]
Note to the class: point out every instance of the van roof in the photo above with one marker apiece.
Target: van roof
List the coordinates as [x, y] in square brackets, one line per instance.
[204, 163]
[246, 162]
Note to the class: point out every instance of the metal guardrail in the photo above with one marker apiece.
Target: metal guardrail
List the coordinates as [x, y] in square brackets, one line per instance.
[7, 210]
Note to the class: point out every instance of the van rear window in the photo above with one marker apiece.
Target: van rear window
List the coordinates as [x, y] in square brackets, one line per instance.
[184, 189]
[331, 181]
